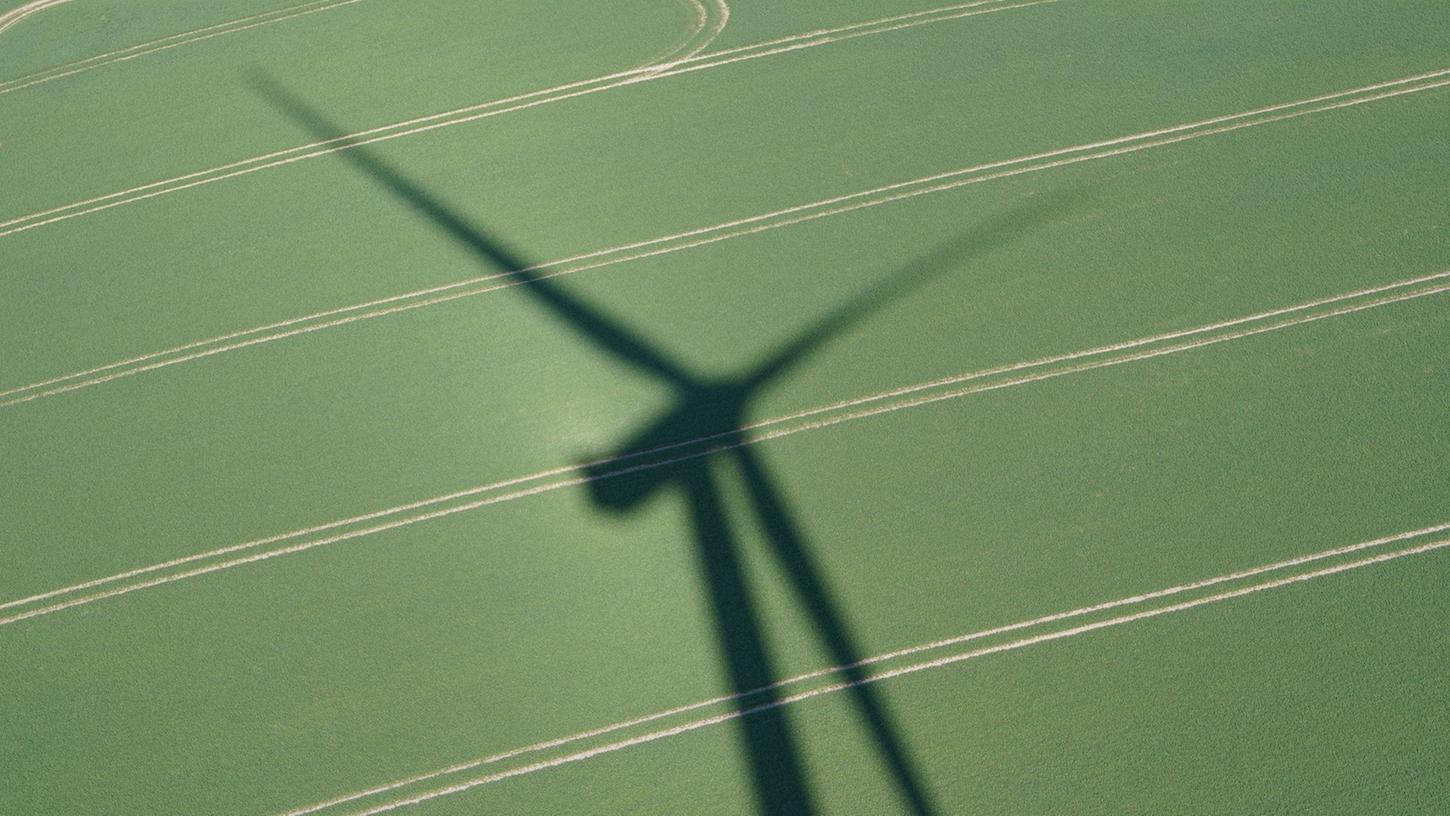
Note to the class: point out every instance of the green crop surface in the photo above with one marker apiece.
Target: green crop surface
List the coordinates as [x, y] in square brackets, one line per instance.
[724, 407]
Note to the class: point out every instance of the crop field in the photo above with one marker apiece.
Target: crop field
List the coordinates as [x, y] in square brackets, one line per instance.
[687, 406]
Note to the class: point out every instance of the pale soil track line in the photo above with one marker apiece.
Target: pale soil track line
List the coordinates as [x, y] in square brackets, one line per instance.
[701, 18]
[498, 107]
[15, 15]
[777, 219]
[890, 673]
[169, 42]
[706, 29]
[821, 417]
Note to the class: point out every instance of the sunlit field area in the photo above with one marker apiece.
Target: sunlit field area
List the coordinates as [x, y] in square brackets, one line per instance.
[724, 407]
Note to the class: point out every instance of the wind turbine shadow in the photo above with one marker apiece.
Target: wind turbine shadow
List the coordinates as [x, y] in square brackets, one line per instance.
[715, 410]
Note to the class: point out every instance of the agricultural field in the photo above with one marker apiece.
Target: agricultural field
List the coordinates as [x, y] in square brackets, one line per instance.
[692, 406]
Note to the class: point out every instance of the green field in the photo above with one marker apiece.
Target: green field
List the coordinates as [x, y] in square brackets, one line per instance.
[690, 406]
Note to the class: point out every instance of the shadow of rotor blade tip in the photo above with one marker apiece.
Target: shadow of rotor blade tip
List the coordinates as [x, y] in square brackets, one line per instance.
[274, 92]
[603, 330]
[995, 232]
[347, 147]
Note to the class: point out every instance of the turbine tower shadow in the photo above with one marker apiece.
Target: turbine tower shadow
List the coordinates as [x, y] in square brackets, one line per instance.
[663, 456]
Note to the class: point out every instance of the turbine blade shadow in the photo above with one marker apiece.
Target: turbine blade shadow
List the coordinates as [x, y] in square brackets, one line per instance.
[1000, 230]
[601, 329]
[769, 745]
[793, 554]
